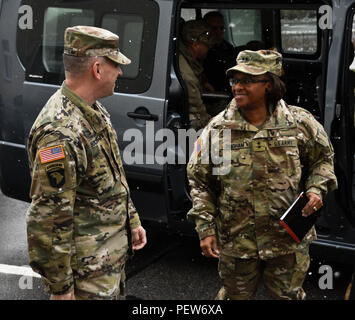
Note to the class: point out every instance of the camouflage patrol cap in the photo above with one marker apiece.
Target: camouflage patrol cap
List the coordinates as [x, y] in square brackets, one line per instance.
[197, 30]
[258, 62]
[87, 41]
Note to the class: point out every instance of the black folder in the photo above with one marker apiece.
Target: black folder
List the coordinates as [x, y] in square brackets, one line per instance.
[293, 221]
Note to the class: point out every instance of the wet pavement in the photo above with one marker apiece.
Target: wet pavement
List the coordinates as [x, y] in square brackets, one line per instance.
[171, 267]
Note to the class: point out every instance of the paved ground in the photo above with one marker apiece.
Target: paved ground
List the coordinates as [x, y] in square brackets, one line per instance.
[169, 268]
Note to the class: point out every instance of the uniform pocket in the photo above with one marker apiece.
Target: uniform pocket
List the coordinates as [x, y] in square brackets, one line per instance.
[284, 155]
[241, 162]
[101, 174]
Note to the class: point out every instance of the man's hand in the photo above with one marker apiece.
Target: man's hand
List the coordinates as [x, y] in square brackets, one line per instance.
[67, 296]
[209, 247]
[139, 239]
[314, 203]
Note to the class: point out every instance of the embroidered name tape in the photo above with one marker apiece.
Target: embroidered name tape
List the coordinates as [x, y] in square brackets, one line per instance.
[51, 154]
[284, 143]
[240, 145]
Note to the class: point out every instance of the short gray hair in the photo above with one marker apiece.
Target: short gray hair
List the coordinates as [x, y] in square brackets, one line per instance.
[77, 66]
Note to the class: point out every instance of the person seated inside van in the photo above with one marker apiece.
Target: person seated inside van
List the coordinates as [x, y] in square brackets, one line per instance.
[253, 45]
[194, 44]
[221, 56]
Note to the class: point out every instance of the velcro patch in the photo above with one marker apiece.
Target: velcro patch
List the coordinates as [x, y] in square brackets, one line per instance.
[240, 145]
[284, 143]
[51, 154]
[198, 146]
[56, 175]
[258, 145]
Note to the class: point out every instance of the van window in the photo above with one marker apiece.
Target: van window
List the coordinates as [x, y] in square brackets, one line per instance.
[191, 14]
[299, 31]
[55, 22]
[188, 14]
[245, 26]
[41, 48]
[291, 30]
[130, 29]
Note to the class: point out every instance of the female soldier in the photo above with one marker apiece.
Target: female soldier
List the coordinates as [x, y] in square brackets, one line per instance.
[276, 151]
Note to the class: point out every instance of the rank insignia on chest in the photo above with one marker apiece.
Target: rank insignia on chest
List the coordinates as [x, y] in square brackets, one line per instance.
[258, 145]
[56, 175]
[51, 154]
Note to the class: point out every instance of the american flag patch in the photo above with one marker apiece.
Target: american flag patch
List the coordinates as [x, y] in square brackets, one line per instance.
[51, 154]
[198, 146]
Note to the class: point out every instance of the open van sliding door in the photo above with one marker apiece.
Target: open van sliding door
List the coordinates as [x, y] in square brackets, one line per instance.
[338, 220]
[313, 66]
[339, 122]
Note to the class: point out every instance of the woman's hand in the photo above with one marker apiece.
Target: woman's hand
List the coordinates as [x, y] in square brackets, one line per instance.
[314, 203]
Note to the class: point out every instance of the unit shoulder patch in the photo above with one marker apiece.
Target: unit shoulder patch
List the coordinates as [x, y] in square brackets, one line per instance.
[56, 174]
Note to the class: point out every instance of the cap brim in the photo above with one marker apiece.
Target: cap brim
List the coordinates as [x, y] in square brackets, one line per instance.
[255, 71]
[119, 58]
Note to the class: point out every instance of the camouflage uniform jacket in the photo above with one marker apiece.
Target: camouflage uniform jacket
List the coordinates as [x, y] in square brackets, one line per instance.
[191, 71]
[77, 220]
[270, 165]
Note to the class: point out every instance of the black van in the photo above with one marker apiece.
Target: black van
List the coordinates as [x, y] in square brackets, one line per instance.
[314, 37]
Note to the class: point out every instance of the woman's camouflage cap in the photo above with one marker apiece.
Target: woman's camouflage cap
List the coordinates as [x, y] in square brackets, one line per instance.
[258, 62]
[87, 41]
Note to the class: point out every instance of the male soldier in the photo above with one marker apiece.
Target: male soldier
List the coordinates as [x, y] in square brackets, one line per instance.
[81, 221]
[194, 45]
[221, 56]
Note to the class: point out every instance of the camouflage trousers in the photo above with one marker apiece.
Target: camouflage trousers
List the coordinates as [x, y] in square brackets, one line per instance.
[109, 286]
[283, 276]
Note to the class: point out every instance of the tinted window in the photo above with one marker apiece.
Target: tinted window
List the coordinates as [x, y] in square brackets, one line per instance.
[188, 14]
[55, 22]
[130, 29]
[299, 31]
[40, 49]
[291, 31]
[245, 26]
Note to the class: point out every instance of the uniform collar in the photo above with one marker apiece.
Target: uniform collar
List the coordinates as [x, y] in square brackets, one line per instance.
[195, 65]
[281, 118]
[93, 114]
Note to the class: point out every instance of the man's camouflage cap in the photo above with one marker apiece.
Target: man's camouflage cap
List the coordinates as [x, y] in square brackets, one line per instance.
[258, 62]
[87, 41]
[197, 30]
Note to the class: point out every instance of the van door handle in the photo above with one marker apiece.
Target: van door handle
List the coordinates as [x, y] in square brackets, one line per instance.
[149, 116]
